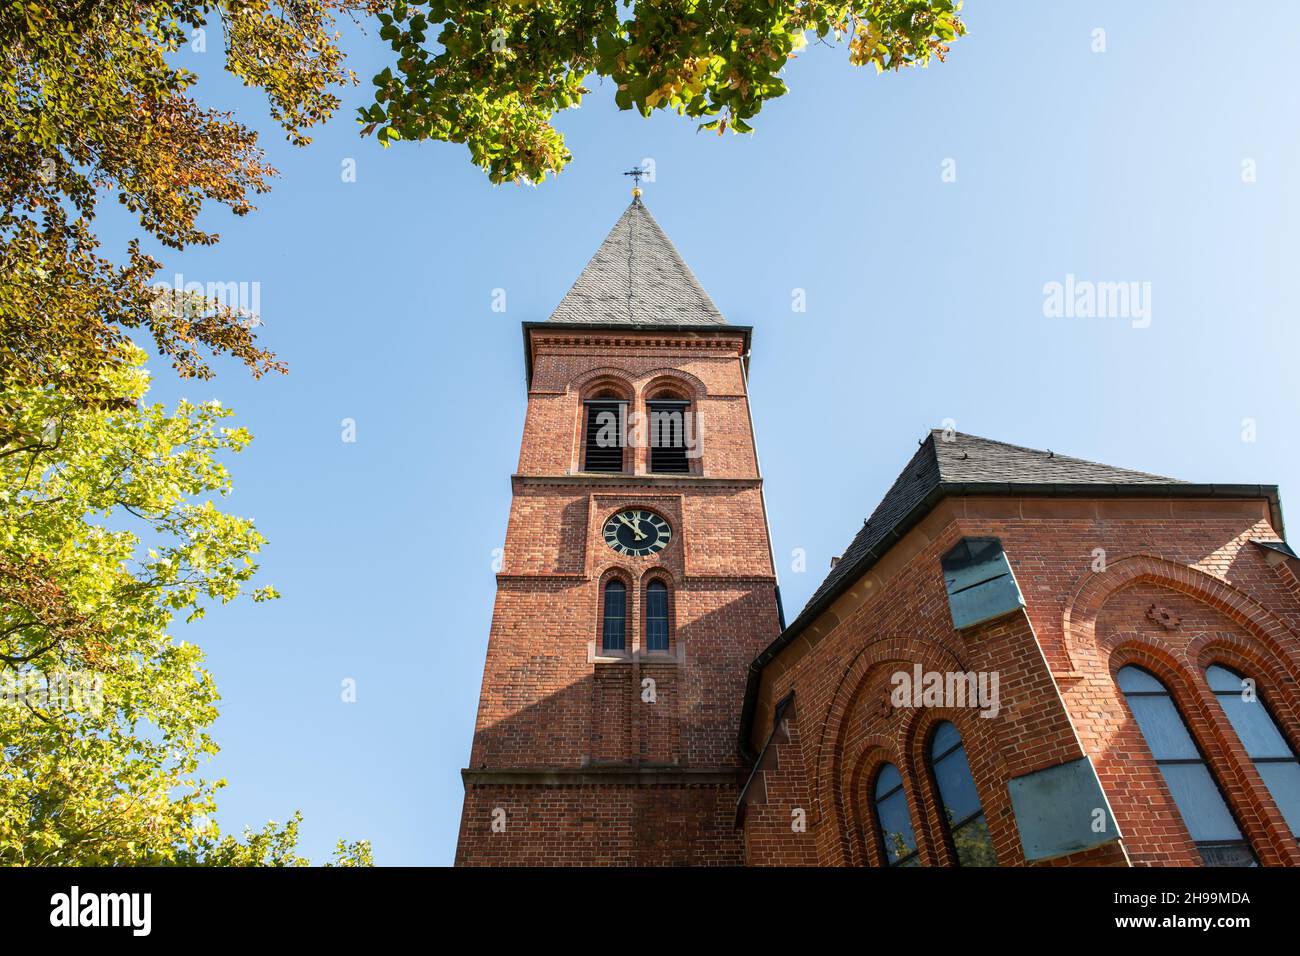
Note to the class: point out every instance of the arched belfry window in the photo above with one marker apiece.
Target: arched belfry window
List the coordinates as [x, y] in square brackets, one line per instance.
[614, 623]
[893, 822]
[1196, 793]
[673, 434]
[605, 433]
[959, 801]
[656, 616]
[1258, 732]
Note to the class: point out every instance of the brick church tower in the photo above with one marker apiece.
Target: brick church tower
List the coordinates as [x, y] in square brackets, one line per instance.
[637, 583]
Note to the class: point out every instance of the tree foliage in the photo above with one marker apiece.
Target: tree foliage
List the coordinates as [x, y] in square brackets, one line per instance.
[107, 524]
[93, 103]
[108, 531]
[493, 75]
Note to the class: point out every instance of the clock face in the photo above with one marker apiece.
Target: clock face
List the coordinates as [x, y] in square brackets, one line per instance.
[637, 533]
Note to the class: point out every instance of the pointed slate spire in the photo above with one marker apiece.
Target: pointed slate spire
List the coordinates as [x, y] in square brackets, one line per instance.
[637, 277]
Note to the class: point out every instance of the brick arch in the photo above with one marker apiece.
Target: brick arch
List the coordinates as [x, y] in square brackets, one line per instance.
[1278, 694]
[980, 740]
[587, 386]
[828, 797]
[659, 573]
[592, 379]
[1234, 773]
[1080, 618]
[616, 572]
[876, 751]
[692, 385]
[683, 386]
[1254, 640]
[905, 750]
[1275, 680]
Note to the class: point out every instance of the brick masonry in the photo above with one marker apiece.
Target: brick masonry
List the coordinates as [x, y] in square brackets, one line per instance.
[587, 757]
[573, 761]
[1083, 620]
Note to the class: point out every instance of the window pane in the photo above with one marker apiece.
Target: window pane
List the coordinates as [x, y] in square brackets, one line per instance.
[1253, 724]
[656, 613]
[895, 826]
[956, 787]
[1227, 854]
[945, 738]
[959, 799]
[1198, 798]
[1163, 728]
[1220, 678]
[1134, 678]
[889, 779]
[1283, 782]
[615, 611]
[974, 845]
[1200, 802]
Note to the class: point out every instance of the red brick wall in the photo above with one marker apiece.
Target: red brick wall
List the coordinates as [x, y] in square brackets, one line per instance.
[776, 807]
[1080, 625]
[549, 699]
[569, 367]
[661, 721]
[587, 825]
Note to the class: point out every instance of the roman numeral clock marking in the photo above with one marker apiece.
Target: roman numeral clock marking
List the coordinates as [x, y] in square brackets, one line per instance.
[637, 533]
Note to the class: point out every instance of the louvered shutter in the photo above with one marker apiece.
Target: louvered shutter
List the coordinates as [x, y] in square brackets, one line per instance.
[604, 436]
[668, 437]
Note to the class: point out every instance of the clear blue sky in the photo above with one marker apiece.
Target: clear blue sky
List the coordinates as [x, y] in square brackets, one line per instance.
[925, 302]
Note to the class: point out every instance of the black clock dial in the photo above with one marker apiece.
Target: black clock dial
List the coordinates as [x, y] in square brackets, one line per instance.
[637, 533]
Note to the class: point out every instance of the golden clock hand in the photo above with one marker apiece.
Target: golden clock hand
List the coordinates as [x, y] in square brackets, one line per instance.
[635, 530]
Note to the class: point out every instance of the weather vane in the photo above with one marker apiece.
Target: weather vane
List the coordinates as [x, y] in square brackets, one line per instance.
[636, 173]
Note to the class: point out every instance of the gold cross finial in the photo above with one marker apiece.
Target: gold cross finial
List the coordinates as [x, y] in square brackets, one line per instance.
[636, 173]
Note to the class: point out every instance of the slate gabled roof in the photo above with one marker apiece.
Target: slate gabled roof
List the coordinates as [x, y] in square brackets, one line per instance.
[959, 464]
[637, 277]
[968, 460]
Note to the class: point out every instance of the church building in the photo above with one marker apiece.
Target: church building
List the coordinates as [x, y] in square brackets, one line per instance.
[1022, 658]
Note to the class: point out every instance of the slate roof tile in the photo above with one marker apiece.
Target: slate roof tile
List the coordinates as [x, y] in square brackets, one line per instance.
[969, 459]
[637, 277]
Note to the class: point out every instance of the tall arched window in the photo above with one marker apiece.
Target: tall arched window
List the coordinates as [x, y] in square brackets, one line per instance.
[960, 802]
[673, 435]
[1258, 732]
[893, 822]
[1195, 792]
[614, 628]
[656, 616]
[605, 433]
